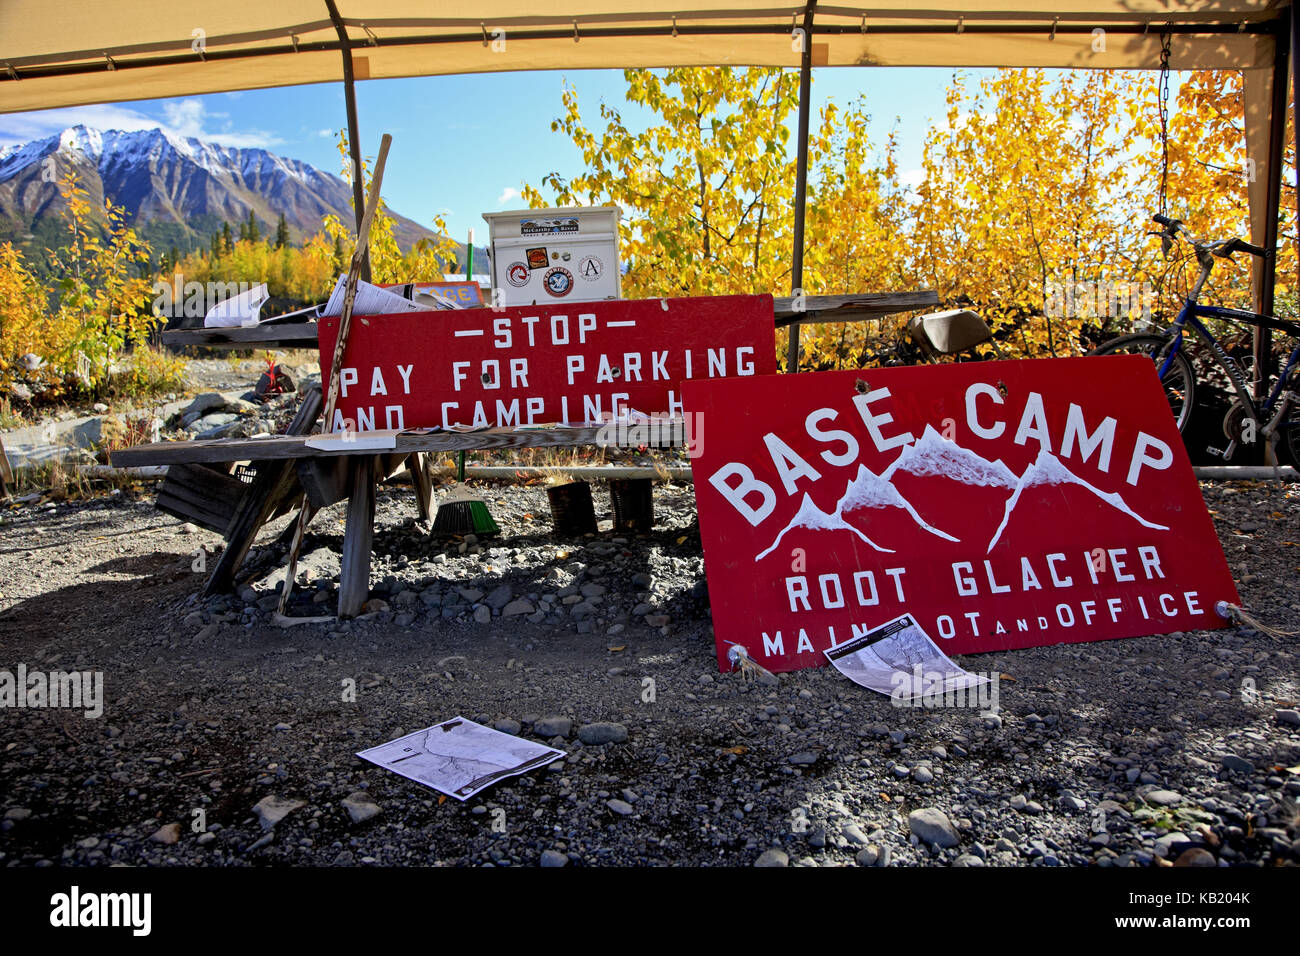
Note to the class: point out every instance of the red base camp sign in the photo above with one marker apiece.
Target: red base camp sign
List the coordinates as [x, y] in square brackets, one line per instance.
[575, 363]
[1002, 504]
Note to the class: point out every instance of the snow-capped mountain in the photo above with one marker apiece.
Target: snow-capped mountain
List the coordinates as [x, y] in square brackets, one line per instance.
[869, 490]
[1050, 470]
[811, 517]
[182, 187]
[934, 455]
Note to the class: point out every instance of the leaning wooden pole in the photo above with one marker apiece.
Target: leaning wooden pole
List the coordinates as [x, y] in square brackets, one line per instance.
[359, 256]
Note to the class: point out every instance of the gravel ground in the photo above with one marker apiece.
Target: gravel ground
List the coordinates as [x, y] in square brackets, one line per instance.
[1124, 753]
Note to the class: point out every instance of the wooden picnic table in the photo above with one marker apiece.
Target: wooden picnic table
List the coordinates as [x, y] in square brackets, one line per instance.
[815, 308]
[337, 468]
[332, 467]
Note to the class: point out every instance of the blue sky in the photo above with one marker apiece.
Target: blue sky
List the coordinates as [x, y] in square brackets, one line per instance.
[462, 143]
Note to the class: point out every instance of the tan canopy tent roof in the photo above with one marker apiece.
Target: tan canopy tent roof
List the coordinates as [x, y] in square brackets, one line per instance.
[66, 52]
[69, 52]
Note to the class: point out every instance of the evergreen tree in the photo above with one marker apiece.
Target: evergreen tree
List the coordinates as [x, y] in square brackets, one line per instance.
[281, 233]
[254, 234]
[215, 245]
[227, 245]
[338, 253]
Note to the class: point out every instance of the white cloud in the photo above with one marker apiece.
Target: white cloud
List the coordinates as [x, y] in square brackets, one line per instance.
[184, 117]
[187, 117]
[911, 178]
[190, 118]
[507, 194]
[963, 117]
[326, 133]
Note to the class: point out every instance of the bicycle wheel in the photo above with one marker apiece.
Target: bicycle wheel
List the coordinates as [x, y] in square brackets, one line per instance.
[1179, 382]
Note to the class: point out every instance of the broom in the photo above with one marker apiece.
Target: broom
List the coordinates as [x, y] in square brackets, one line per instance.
[462, 511]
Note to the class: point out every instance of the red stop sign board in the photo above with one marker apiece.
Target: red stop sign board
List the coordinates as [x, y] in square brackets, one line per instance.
[568, 364]
[1002, 504]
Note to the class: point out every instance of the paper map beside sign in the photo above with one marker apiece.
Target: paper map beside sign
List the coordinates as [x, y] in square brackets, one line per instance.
[528, 365]
[900, 659]
[1004, 504]
[459, 757]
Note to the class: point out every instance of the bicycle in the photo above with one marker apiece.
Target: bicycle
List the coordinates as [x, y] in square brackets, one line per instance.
[1241, 424]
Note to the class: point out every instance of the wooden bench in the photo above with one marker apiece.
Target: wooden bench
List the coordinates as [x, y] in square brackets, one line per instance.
[342, 470]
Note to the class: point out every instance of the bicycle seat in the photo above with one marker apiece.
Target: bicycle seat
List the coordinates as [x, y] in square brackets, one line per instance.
[949, 332]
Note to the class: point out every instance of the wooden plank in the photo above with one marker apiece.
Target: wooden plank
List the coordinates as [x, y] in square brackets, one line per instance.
[853, 307]
[260, 498]
[324, 481]
[422, 481]
[354, 573]
[253, 510]
[404, 443]
[286, 335]
[200, 494]
[327, 481]
[289, 495]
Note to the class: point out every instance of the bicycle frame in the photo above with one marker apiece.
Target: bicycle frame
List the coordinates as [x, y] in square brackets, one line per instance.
[1191, 314]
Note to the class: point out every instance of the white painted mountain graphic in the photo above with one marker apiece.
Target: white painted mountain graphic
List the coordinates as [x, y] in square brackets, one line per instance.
[869, 490]
[812, 517]
[932, 454]
[1049, 470]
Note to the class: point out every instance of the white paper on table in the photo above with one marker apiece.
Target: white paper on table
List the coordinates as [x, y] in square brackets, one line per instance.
[459, 757]
[880, 660]
[238, 310]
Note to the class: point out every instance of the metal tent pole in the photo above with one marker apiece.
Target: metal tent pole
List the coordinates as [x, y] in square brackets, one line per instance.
[801, 177]
[354, 130]
[1273, 198]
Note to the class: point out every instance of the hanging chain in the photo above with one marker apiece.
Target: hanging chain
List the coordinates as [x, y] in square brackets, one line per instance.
[1163, 94]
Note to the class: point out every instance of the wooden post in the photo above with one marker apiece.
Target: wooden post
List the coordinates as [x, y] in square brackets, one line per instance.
[354, 573]
[801, 178]
[422, 481]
